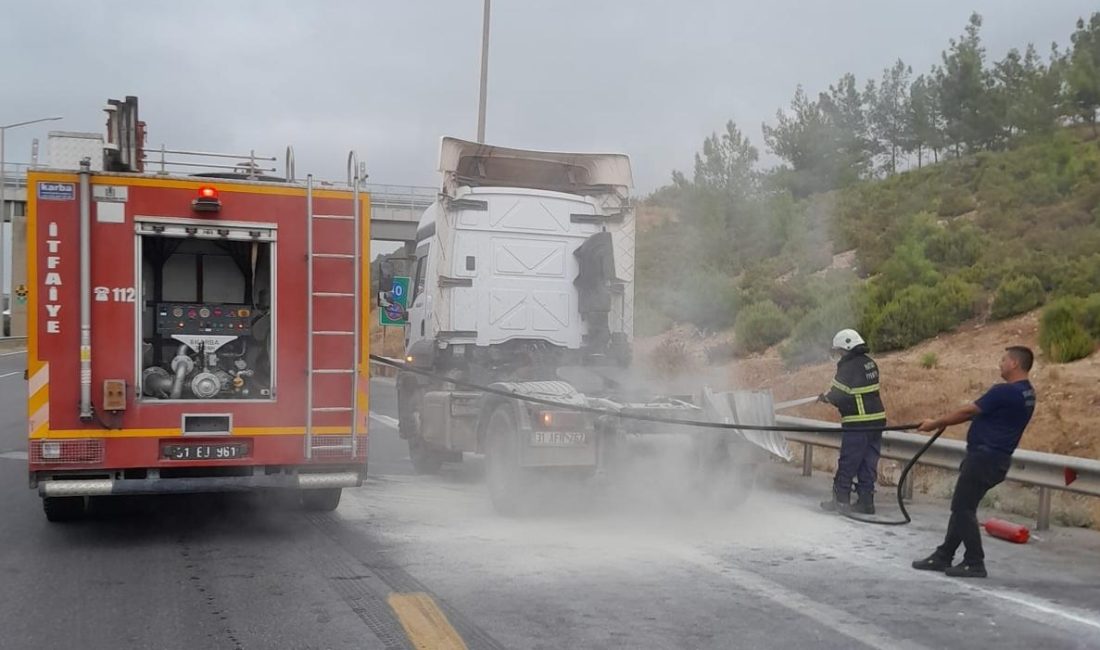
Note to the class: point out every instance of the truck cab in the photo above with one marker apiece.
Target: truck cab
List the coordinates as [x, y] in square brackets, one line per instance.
[524, 265]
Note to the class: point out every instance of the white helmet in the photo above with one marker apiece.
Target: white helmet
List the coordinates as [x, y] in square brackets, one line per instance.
[847, 340]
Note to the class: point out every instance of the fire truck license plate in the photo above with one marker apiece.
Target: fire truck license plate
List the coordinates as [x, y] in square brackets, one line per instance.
[558, 438]
[201, 451]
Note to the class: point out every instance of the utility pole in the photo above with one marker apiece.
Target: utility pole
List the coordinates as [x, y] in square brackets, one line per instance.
[484, 74]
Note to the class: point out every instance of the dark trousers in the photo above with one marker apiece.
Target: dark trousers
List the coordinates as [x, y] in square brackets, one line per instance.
[859, 454]
[979, 472]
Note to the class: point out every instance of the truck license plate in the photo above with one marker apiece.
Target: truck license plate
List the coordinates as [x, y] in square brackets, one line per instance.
[558, 438]
[205, 451]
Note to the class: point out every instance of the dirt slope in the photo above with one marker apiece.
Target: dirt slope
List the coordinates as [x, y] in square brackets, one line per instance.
[1067, 419]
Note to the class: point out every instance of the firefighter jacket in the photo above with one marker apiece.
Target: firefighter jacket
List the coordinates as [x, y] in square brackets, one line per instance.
[855, 389]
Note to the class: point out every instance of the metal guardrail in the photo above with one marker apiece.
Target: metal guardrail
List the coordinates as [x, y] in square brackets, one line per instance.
[1046, 471]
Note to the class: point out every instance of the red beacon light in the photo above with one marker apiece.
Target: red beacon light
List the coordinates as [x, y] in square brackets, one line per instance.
[207, 200]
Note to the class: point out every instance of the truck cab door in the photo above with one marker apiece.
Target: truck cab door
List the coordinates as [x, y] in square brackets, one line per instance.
[420, 311]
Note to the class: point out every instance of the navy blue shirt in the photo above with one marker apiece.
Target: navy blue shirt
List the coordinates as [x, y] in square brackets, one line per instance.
[1006, 410]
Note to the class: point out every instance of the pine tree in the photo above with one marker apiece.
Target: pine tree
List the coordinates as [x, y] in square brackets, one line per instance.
[1083, 72]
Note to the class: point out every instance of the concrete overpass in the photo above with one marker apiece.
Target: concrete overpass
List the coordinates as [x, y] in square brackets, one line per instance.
[396, 209]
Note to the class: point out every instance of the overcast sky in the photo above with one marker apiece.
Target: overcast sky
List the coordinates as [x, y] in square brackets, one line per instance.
[646, 77]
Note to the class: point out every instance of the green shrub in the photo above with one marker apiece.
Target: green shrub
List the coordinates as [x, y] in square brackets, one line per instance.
[929, 360]
[1090, 315]
[955, 247]
[1017, 295]
[760, 326]
[955, 201]
[920, 312]
[1062, 337]
[811, 336]
[707, 300]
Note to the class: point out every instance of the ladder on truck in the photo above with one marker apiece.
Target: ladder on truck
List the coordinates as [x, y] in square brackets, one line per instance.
[334, 298]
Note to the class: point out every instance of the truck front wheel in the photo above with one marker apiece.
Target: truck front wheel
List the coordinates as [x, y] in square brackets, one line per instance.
[425, 459]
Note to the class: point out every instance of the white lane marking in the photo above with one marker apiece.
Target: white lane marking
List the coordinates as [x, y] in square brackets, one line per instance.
[13, 455]
[1039, 605]
[11, 374]
[835, 619]
[384, 419]
[12, 354]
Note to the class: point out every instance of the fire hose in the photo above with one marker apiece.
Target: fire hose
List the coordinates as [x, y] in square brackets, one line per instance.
[458, 383]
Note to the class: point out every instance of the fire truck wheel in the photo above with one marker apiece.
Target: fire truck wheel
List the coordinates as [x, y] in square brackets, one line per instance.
[321, 500]
[505, 477]
[425, 459]
[63, 508]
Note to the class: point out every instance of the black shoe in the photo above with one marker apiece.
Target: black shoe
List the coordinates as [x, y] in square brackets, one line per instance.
[832, 505]
[864, 505]
[837, 504]
[933, 562]
[967, 570]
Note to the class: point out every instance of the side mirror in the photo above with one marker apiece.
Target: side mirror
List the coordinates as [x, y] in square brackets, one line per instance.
[385, 284]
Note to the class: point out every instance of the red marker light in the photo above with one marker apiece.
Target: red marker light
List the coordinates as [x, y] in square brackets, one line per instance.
[206, 200]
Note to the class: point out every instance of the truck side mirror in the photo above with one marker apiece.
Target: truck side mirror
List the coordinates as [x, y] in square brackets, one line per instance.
[385, 283]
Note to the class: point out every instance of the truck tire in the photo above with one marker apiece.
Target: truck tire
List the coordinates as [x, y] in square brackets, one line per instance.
[425, 459]
[321, 500]
[504, 476]
[59, 509]
[408, 417]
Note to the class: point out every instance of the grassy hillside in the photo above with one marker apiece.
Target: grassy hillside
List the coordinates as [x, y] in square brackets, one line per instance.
[982, 237]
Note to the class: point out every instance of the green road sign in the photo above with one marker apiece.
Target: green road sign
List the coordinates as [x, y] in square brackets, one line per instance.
[394, 314]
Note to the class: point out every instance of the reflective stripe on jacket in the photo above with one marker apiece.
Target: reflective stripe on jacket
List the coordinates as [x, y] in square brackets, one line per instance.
[855, 389]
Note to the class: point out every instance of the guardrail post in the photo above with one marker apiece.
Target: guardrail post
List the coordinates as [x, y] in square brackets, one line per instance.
[907, 488]
[807, 459]
[1044, 509]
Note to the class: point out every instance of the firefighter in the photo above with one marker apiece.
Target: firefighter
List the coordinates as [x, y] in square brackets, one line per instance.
[997, 422]
[855, 394]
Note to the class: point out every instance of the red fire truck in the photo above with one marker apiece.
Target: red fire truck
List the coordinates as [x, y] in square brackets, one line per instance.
[198, 333]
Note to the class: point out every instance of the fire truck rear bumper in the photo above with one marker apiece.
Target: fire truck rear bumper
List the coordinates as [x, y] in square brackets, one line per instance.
[106, 486]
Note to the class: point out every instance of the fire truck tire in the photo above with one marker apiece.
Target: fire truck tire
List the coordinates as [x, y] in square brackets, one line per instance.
[59, 509]
[504, 476]
[425, 459]
[321, 500]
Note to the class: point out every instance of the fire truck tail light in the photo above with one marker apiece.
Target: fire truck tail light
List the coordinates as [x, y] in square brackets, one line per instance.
[67, 452]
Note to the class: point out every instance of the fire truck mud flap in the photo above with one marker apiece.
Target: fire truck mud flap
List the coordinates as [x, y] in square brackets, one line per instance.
[109, 487]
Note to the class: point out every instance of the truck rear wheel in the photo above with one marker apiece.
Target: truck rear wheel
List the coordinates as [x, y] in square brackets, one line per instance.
[505, 477]
[59, 509]
[321, 500]
[425, 459]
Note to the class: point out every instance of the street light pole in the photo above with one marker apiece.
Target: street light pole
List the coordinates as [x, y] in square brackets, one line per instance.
[4, 212]
[484, 74]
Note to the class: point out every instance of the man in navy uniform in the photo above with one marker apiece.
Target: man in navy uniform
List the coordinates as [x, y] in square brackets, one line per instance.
[997, 422]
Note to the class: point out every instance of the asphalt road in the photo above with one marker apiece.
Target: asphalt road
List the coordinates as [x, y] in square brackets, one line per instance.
[412, 561]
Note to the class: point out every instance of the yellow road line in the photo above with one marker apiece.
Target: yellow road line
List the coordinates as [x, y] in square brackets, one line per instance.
[425, 624]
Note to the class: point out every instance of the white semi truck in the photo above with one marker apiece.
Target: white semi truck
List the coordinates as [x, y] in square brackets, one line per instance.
[524, 281]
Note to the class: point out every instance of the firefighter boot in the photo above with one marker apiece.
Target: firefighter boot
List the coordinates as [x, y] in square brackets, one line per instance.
[839, 503]
[865, 504]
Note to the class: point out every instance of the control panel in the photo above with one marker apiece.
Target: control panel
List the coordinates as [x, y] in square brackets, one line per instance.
[204, 318]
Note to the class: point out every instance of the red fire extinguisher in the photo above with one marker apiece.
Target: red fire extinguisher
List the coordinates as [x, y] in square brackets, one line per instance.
[1007, 530]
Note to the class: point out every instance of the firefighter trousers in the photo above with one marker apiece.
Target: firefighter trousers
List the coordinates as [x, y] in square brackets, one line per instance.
[859, 455]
